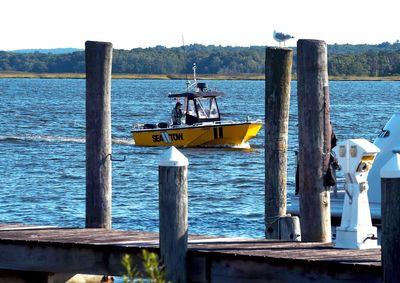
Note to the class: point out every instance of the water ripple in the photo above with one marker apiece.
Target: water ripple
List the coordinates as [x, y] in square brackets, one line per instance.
[42, 165]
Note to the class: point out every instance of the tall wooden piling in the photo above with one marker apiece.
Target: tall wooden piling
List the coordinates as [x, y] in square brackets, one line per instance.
[390, 185]
[278, 66]
[98, 134]
[173, 210]
[314, 139]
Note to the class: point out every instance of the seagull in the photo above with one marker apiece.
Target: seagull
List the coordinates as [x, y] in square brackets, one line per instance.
[282, 37]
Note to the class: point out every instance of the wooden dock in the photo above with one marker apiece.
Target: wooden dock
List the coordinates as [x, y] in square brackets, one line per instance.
[45, 249]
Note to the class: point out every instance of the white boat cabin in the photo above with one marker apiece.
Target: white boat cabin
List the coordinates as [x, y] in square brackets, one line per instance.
[200, 105]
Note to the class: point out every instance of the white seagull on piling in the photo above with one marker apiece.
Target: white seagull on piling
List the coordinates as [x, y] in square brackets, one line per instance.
[282, 37]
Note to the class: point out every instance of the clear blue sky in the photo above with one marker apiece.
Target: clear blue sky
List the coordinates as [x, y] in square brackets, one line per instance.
[146, 23]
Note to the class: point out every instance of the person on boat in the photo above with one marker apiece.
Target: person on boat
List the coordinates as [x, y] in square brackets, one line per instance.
[177, 114]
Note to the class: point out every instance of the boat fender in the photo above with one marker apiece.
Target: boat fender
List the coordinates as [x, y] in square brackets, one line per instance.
[330, 175]
[329, 178]
[150, 126]
[163, 125]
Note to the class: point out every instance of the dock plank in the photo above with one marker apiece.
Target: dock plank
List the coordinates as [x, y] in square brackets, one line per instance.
[215, 254]
[236, 246]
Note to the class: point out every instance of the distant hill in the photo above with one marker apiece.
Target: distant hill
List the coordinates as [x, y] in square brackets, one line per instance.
[48, 51]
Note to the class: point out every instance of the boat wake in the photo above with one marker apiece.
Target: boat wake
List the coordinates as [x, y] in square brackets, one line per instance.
[39, 138]
[244, 145]
[45, 138]
[229, 146]
[123, 141]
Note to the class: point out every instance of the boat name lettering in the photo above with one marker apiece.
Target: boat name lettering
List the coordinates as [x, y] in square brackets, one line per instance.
[173, 137]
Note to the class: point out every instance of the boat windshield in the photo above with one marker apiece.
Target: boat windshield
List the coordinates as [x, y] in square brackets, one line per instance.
[207, 108]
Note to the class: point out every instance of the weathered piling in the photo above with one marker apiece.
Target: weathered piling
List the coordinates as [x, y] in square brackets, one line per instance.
[314, 139]
[278, 66]
[173, 209]
[98, 57]
[390, 185]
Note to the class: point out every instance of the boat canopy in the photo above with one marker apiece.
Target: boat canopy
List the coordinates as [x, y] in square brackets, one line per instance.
[197, 94]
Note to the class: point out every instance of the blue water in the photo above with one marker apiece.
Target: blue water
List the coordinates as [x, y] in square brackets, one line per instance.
[42, 160]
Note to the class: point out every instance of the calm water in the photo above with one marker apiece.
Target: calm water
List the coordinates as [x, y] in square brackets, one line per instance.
[42, 161]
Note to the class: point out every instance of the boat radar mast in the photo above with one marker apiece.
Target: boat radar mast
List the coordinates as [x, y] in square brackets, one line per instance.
[194, 83]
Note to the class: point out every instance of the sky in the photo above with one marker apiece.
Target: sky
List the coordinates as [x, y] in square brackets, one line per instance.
[127, 24]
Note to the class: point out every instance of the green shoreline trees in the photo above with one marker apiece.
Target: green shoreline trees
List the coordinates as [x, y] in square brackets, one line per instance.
[344, 60]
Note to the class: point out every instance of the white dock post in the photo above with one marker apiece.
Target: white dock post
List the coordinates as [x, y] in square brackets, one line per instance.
[390, 185]
[173, 209]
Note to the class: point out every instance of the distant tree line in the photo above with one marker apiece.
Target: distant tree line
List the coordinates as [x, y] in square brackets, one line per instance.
[382, 63]
[344, 60]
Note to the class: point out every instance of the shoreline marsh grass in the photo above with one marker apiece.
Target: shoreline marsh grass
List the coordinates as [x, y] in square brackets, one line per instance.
[180, 76]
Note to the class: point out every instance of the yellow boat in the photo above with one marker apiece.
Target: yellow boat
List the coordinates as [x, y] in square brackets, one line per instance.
[200, 126]
[205, 134]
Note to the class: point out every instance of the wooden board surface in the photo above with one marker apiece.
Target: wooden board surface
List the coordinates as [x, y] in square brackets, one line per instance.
[260, 248]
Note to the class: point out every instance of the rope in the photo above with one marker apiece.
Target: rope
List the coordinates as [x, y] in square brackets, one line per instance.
[269, 220]
[274, 219]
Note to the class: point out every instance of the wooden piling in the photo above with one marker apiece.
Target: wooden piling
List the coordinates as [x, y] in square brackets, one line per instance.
[98, 134]
[390, 190]
[278, 66]
[314, 139]
[173, 210]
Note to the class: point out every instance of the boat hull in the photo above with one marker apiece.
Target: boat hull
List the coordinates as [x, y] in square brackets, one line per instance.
[206, 134]
[336, 208]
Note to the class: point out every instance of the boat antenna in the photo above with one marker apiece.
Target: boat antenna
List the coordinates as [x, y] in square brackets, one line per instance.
[185, 61]
[194, 72]
[188, 84]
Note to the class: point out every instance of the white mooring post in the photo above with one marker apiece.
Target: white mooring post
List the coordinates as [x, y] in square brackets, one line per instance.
[390, 185]
[173, 209]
